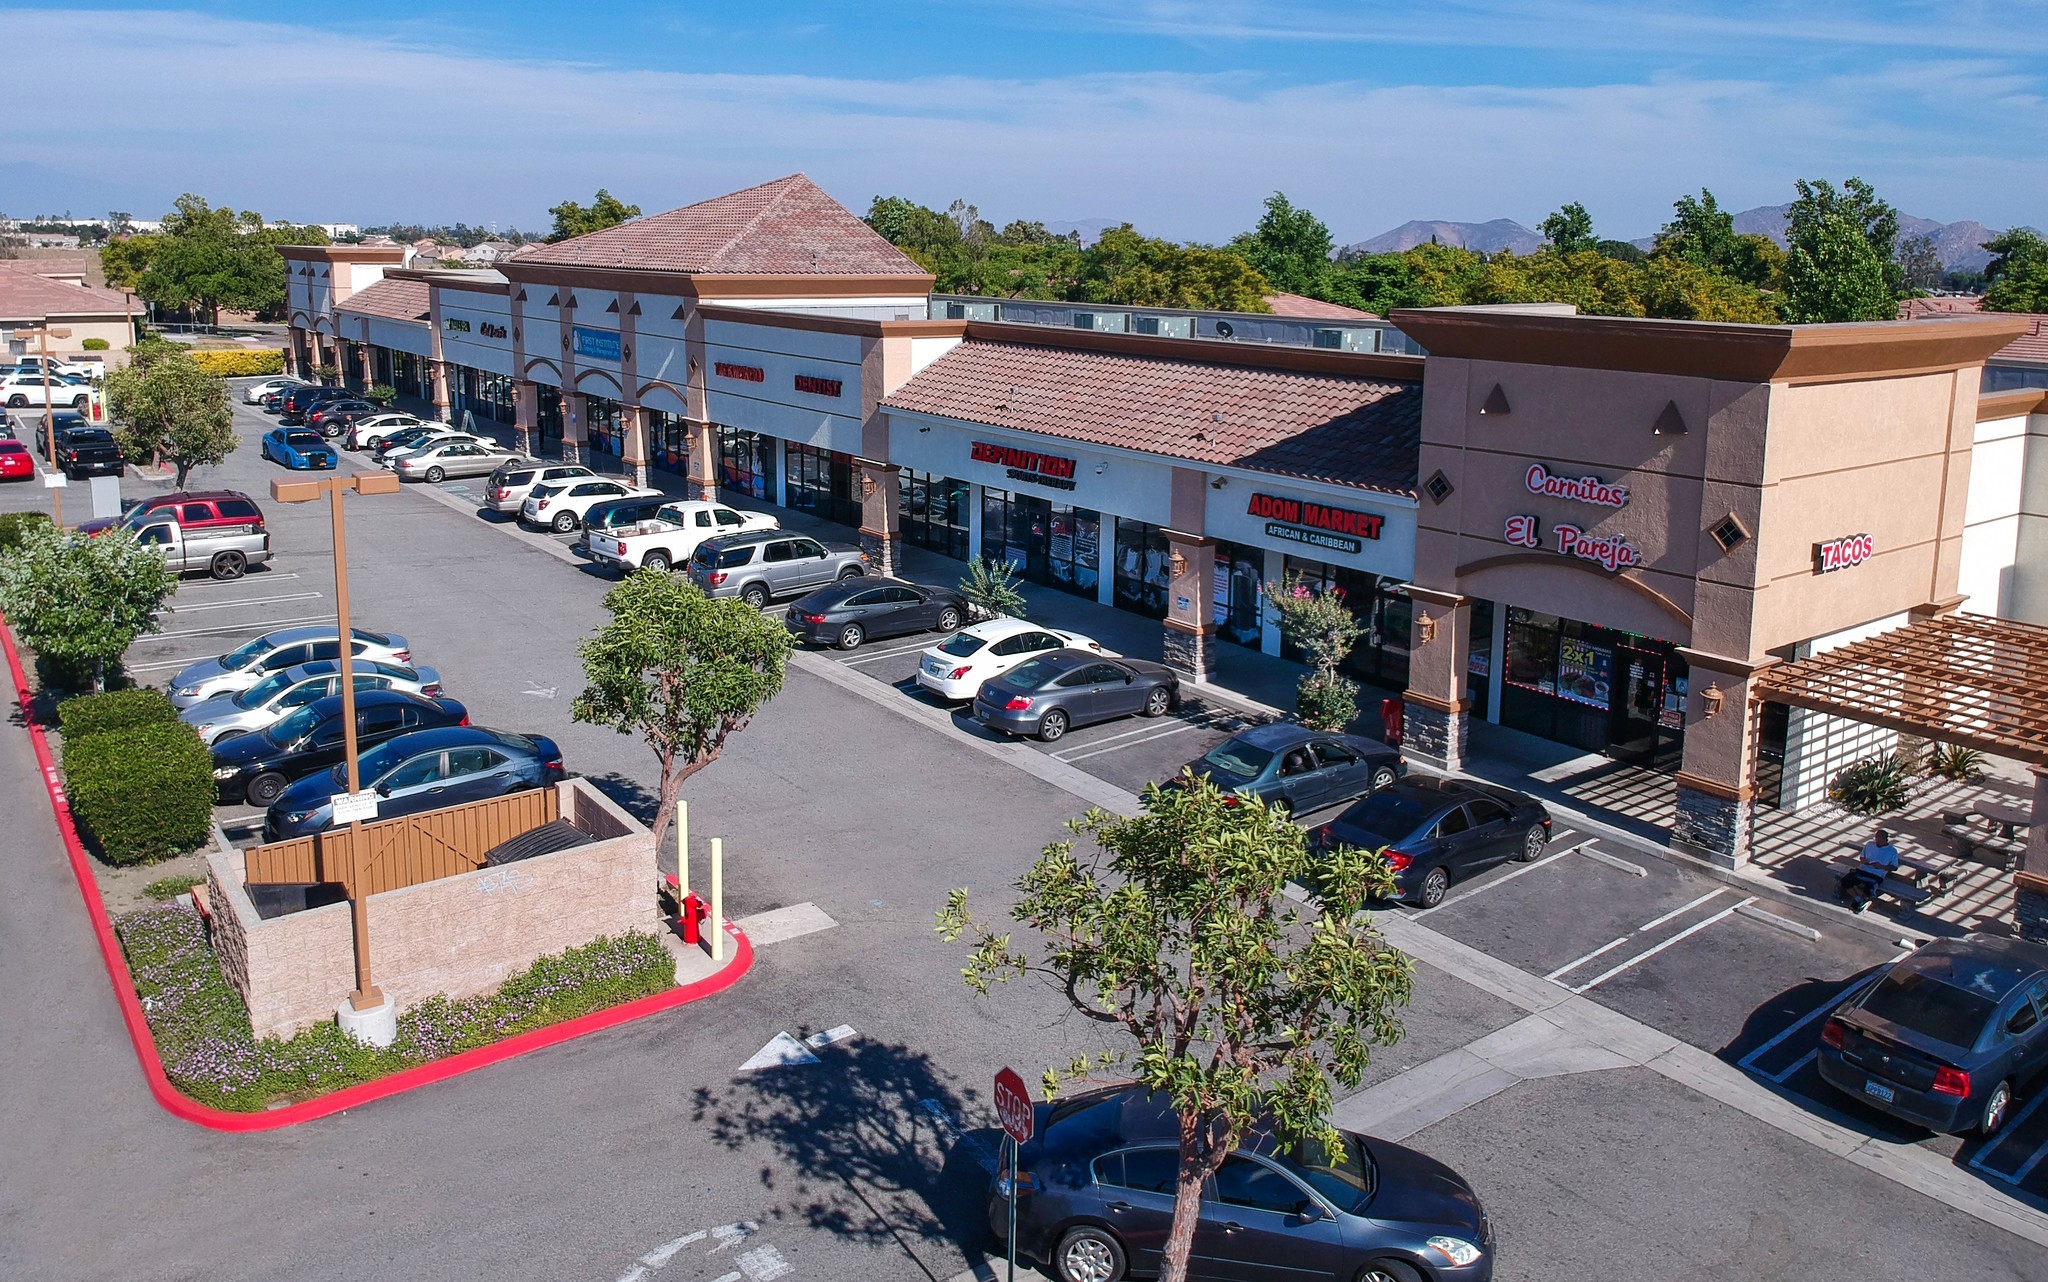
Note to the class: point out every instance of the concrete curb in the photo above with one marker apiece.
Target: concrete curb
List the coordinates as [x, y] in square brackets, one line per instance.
[178, 1104]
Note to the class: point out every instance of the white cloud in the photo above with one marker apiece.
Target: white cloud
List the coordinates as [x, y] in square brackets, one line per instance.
[307, 124]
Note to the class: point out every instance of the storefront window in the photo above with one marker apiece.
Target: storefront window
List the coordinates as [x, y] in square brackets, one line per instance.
[1594, 688]
[1479, 659]
[824, 482]
[1142, 574]
[932, 512]
[746, 463]
[547, 415]
[1049, 543]
[667, 440]
[1237, 601]
[1383, 609]
[605, 423]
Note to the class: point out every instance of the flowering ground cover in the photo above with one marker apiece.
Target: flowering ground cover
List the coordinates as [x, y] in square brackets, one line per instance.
[202, 1028]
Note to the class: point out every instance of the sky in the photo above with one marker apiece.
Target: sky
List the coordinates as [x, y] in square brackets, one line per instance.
[1179, 117]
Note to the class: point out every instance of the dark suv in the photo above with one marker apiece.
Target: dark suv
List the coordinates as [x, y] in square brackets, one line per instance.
[765, 564]
[331, 418]
[301, 401]
[195, 510]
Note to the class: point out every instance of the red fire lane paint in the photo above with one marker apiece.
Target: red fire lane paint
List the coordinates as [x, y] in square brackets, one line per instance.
[178, 1104]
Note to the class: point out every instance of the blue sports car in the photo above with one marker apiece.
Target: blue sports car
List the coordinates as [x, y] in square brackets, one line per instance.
[299, 449]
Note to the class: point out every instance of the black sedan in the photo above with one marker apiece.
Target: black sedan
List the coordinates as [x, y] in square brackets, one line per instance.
[1095, 1191]
[257, 767]
[1300, 769]
[1052, 693]
[1437, 831]
[332, 418]
[863, 609]
[422, 771]
[1946, 1037]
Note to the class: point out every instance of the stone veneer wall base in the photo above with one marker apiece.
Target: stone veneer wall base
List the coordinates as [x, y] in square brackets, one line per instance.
[1713, 828]
[1440, 738]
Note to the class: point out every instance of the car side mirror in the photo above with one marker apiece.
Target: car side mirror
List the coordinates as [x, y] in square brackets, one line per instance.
[383, 789]
[1309, 1212]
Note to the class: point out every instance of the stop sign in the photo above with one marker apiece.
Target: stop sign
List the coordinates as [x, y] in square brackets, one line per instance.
[1013, 1105]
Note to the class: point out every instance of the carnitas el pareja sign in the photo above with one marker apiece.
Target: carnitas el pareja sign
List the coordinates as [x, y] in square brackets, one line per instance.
[1026, 465]
[1585, 489]
[1316, 524]
[1841, 554]
[1609, 551]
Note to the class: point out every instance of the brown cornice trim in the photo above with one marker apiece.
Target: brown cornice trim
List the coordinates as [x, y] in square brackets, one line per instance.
[1436, 596]
[1710, 349]
[1435, 704]
[2012, 404]
[1726, 793]
[2033, 883]
[1726, 665]
[343, 253]
[834, 324]
[1175, 625]
[1206, 351]
[1624, 578]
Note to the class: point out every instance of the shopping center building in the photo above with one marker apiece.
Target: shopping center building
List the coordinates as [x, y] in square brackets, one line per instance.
[1591, 530]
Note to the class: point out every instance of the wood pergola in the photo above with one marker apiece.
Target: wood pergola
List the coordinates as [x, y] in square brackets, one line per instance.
[1959, 679]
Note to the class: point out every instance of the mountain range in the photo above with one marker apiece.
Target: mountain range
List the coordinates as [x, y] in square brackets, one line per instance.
[1960, 244]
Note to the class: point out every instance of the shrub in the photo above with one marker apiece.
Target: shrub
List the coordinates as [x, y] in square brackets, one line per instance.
[209, 1051]
[120, 710]
[172, 887]
[144, 793]
[991, 590]
[1874, 785]
[1953, 761]
[1326, 703]
[239, 364]
[95, 345]
[383, 393]
[13, 524]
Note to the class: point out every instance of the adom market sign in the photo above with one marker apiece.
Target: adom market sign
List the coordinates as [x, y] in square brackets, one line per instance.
[1315, 524]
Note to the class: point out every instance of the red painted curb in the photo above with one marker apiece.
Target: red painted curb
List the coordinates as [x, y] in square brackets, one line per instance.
[178, 1104]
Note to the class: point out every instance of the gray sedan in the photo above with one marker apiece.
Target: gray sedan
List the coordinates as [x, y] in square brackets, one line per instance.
[1048, 695]
[437, 463]
[270, 700]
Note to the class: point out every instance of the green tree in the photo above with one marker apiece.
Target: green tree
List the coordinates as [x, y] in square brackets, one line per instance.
[1700, 232]
[1238, 1006]
[1316, 621]
[166, 407]
[1131, 270]
[1569, 230]
[1290, 247]
[125, 260]
[605, 210]
[682, 670]
[1920, 264]
[80, 602]
[1839, 262]
[208, 258]
[1621, 251]
[912, 227]
[2016, 279]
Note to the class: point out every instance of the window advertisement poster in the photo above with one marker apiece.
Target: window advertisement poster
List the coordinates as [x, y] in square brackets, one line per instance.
[1584, 671]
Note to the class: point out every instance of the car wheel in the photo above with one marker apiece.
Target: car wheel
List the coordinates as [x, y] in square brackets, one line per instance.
[850, 572]
[564, 522]
[1388, 1271]
[229, 565]
[226, 735]
[851, 636]
[654, 561]
[1088, 1255]
[17, 402]
[755, 595]
[1533, 842]
[1053, 726]
[1434, 885]
[949, 620]
[1997, 1107]
[1382, 778]
[1157, 702]
[435, 476]
[266, 788]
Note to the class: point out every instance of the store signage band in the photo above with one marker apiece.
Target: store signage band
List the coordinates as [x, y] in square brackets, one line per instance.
[1611, 552]
[454, 325]
[1052, 470]
[598, 344]
[743, 373]
[1586, 489]
[1844, 553]
[488, 330]
[1315, 524]
[817, 386]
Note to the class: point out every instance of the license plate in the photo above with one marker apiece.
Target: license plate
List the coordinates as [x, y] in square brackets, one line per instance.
[1878, 1090]
[932, 666]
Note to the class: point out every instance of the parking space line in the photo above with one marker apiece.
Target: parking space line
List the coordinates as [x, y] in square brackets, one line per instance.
[1747, 1060]
[1500, 880]
[268, 576]
[158, 664]
[1648, 953]
[1144, 729]
[238, 604]
[1163, 734]
[265, 625]
[1797, 1064]
[1578, 962]
[866, 654]
[1681, 910]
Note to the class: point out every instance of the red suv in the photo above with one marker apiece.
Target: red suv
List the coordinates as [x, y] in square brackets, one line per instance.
[195, 510]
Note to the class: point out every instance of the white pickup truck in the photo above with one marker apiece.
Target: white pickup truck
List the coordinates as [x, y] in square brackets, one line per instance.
[670, 537]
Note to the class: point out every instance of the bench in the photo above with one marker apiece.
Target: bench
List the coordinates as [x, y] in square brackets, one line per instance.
[1900, 890]
[1973, 833]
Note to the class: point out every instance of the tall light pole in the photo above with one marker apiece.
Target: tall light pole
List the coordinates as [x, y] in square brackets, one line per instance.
[366, 994]
[43, 334]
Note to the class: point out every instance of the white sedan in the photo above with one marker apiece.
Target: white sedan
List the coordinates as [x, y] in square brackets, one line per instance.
[956, 667]
[285, 691]
[369, 432]
[254, 393]
[561, 506]
[389, 456]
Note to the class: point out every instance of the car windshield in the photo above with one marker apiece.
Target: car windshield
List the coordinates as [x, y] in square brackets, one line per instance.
[294, 728]
[242, 656]
[962, 644]
[302, 438]
[265, 690]
[1344, 1176]
[89, 435]
[1389, 814]
[1234, 756]
[1927, 1006]
[1031, 674]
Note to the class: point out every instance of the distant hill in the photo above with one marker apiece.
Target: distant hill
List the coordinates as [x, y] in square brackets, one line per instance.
[1489, 238]
[1960, 244]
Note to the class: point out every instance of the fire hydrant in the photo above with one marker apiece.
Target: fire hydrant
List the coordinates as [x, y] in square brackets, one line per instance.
[693, 912]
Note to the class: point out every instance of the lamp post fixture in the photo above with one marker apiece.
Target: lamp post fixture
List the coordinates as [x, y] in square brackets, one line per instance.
[43, 334]
[366, 994]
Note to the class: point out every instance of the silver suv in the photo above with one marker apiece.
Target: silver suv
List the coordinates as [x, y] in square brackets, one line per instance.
[765, 564]
[512, 482]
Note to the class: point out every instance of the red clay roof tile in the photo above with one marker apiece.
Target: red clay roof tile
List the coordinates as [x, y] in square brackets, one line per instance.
[400, 300]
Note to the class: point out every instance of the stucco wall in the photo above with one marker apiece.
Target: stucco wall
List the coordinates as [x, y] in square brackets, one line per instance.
[460, 935]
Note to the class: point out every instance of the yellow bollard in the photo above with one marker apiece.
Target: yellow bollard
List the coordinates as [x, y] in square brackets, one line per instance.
[682, 850]
[717, 899]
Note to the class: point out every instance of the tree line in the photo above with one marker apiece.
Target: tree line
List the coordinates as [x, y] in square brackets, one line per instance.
[206, 259]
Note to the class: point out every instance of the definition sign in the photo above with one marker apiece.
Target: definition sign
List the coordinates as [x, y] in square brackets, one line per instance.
[1054, 470]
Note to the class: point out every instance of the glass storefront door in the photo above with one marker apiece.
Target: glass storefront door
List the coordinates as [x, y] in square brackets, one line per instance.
[746, 463]
[606, 424]
[823, 482]
[1595, 688]
[1142, 572]
[1380, 604]
[1238, 601]
[1049, 543]
[932, 512]
[547, 425]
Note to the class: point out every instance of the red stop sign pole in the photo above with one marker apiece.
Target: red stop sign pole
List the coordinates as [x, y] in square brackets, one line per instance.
[1013, 1106]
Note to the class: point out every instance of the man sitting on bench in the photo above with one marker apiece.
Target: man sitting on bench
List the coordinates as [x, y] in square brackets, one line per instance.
[1878, 860]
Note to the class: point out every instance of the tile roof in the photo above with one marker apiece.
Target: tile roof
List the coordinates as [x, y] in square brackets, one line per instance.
[788, 227]
[2031, 347]
[399, 300]
[1346, 430]
[1302, 307]
[1940, 305]
[25, 294]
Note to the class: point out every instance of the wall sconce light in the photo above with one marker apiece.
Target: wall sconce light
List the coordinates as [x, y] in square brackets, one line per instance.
[1219, 482]
[1425, 629]
[867, 485]
[1711, 699]
[1177, 562]
[1100, 468]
